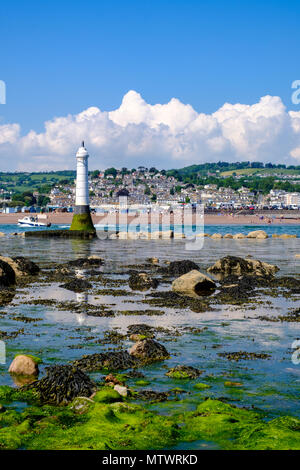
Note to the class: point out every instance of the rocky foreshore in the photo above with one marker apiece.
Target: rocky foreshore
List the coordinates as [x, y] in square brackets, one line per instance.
[70, 406]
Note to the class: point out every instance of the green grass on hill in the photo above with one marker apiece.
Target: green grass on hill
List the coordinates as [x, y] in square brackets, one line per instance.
[256, 171]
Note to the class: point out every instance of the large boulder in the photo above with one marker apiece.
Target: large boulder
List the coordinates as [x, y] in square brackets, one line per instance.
[7, 274]
[192, 283]
[167, 234]
[142, 281]
[228, 235]
[24, 365]
[239, 236]
[260, 234]
[148, 351]
[216, 236]
[234, 265]
[177, 268]
[22, 266]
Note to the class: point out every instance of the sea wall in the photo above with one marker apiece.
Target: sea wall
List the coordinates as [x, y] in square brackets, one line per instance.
[82, 234]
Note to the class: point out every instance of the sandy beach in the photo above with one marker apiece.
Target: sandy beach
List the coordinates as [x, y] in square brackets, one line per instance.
[274, 218]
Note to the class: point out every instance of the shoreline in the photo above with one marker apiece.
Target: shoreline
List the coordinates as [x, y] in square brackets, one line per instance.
[209, 219]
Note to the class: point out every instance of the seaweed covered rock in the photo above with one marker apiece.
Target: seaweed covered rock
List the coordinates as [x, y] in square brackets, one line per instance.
[192, 283]
[184, 372]
[77, 285]
[148, 351]
[152, 396]
[21, 266]
[81, 405]
[6, 295]
[62, 384]
[7, 275]
[107, 395]
[90, 261]
[141, 329]
[114, 360]
[142, 281]
[237, 289]
[153, 260]
[234, 265]
[177, 268]
[24, 365]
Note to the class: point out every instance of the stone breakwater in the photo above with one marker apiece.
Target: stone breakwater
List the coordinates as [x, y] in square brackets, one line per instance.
[170, 234]
[146, 235]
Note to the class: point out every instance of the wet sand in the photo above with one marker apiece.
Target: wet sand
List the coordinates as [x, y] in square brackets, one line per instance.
[275, 218]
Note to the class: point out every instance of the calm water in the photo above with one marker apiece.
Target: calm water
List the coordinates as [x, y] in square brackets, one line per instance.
[59, 336]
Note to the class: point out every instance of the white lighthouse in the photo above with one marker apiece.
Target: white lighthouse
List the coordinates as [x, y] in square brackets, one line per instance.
[82, 180]
[82, 218]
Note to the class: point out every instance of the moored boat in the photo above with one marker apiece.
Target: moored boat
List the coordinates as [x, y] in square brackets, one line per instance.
[31, 221]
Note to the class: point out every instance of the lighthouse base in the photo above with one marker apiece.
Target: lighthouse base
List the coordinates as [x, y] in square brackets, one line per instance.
[82, 219]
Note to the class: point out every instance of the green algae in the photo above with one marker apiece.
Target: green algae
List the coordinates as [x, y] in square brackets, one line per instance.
[35, 359]
[82, 222]
[232, 384]
[142, 383]
[123, 425]
[201, 386]
[107, 395]
[10, 394]
[104, 426]
[179, 374]
[237, 428]
[183, 372]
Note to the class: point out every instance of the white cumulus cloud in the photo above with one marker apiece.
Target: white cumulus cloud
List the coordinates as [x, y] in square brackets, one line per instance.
[166, 135]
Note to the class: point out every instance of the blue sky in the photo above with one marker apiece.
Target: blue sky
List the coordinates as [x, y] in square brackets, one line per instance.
[62, 57]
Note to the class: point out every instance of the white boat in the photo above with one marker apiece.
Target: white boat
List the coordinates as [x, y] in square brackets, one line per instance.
[31, 221]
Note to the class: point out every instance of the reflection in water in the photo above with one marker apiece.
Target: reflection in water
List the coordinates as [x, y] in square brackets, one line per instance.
[82, 297]
[80, 248]
[20, 380]
[80, 273]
